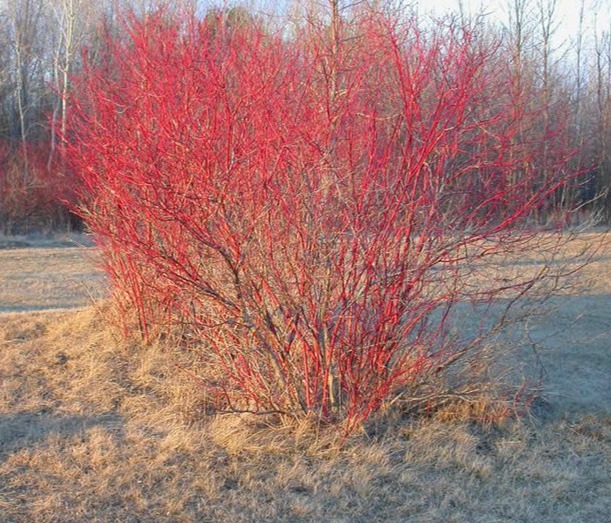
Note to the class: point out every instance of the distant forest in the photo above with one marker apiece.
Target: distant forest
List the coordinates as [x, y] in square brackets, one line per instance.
[566, 84]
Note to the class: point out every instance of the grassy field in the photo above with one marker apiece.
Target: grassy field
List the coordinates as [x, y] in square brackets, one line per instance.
[47, 274]
[94, 428]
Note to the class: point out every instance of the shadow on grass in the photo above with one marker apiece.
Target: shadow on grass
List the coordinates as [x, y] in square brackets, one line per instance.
[556, 262]
[17, 309]
[27, 429]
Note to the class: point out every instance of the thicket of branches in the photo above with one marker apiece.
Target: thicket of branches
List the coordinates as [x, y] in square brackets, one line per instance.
[300, 205]
[300, 209]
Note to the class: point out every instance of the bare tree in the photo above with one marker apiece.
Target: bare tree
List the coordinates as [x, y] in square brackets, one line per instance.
[24, 20]
[73, 20]
[547, 24]
[602, 47]
[520, 30]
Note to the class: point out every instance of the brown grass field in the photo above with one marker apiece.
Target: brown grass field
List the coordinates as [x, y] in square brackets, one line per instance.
[97, 429]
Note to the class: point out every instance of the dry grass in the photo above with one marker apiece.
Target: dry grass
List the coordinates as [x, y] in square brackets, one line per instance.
[93, 428]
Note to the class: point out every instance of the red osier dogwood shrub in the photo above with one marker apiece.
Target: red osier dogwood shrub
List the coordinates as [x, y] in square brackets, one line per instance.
[291, 203]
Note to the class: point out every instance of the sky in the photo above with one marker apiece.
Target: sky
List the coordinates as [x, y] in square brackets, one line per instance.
[596, 13]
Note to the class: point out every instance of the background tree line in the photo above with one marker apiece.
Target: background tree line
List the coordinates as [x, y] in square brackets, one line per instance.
[568, 84]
